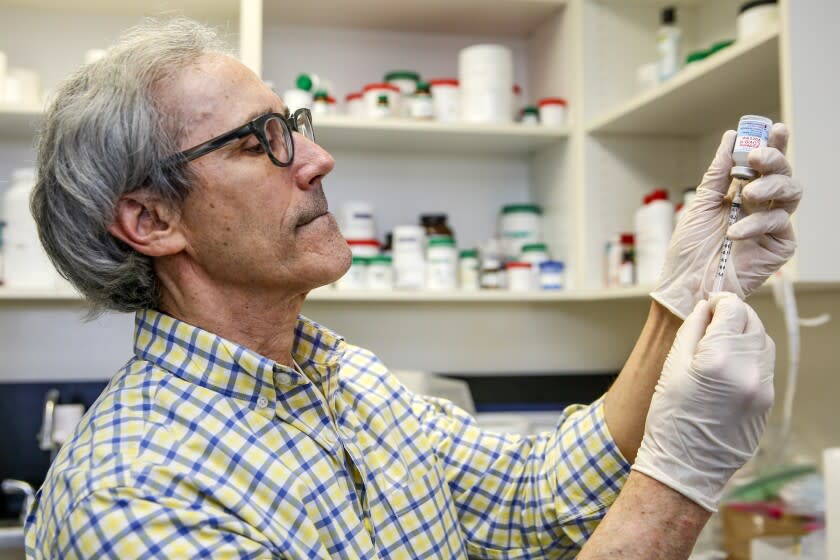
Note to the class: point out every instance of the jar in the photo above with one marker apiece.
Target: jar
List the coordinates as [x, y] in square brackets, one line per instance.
[536, 254]
[441, 264]
[518, 276]
[469, 277]
[491, 275]
[372, 94]
[421, 106]
[445, 99]
[519, 225]
[530, 116]
[757, 17]
[363, 247]
[409, 257]
[552, 111]
[405, 80]
[485, 74]
[357, 220]
[322, 103]
[355, 277]
[654, 225]
[435, 225]
[552, 275]
[380, 273]
[354, 104]
[26, 262]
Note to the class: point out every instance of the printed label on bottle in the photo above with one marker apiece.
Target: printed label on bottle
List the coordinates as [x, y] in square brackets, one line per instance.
[752, 134]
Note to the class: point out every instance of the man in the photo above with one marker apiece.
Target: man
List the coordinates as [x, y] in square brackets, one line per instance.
[173, 183]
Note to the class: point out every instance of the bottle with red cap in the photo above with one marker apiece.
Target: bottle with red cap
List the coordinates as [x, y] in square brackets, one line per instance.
[654, 226]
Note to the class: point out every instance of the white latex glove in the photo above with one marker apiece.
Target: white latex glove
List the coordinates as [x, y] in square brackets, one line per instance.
[763, 237]
[712, 400]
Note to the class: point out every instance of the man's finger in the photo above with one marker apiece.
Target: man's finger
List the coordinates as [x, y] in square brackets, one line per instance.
[782, 191]
[769, 161]
[779, 135]
[729, 314]
[717, 176]
[764, 222]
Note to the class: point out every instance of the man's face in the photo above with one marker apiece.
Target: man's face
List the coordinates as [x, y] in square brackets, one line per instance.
[248, 223]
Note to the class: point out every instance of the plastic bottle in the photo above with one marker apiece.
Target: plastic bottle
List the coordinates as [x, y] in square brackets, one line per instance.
[530, 115]
[654, 226]
[421, 106]
[468, 270]
[26, 263]
[552, 275]
[380, 273]
[519, 277]
[409, 262]
[441, 264]
[627, 267]
[320, 103]
[383, 109]
[300, 96]
[668, 44]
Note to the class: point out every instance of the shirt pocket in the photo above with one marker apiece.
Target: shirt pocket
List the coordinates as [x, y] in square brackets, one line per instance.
[418, 520]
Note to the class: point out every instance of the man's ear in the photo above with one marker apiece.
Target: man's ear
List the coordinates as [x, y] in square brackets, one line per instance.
[148, 225]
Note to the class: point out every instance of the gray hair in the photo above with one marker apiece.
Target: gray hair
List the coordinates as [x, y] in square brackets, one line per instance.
[104, 136]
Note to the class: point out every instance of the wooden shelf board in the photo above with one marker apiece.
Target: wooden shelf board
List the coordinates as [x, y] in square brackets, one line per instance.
[211, 10]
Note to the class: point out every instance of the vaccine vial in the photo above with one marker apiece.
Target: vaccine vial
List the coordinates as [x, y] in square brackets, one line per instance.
[753, 132]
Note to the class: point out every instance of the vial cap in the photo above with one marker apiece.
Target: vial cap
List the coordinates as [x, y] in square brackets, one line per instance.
[536, 247]
[669, 15]
[402, 75]
[380, 259]
[443, 82]
[354, 95]
[628, 239]
[552, 101]
[521, 208]
[518, 264]
[321, 94]
[658, 194]
[531, 110]
[389, 87]
[469, 254]
[441, 241]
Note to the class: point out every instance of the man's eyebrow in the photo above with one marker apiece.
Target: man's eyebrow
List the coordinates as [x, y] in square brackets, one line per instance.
[260, 112]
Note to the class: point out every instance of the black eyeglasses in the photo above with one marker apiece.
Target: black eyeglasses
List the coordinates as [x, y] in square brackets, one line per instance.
[273, 130]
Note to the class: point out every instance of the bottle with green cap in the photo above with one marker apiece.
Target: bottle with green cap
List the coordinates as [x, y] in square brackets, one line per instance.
[530, 115]
[301, 96]
[380, 272]
[383, 108]
[441, 263]
[321, 103]
[469, 271]
[421, 106]
[535, 254]
[519, 225]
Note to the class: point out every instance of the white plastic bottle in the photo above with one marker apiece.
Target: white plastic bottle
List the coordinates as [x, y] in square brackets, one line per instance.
[654, 226]
[26, 263]
[668, 44]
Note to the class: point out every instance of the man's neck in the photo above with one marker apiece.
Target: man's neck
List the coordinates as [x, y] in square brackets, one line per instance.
[262, 322]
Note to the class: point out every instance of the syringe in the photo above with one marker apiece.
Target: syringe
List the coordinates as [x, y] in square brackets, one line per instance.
[726, 249]
[753, 132]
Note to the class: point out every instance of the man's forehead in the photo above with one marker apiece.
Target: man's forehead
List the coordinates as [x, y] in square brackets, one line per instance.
[218, 93]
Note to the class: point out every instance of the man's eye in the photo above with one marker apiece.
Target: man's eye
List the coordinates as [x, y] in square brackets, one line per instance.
[255, 148]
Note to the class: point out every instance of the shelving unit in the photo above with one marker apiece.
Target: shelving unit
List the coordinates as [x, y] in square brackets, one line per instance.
[19, 125]
[742, 77]
[402, 135]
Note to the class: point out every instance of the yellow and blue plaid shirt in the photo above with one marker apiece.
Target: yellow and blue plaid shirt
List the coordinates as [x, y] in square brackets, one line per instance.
[200, 447]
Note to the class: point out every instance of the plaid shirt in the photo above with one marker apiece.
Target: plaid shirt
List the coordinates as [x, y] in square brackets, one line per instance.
[199, 447]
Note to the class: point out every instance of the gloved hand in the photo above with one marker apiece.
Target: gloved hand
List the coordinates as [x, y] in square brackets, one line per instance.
[763, 237]
[712, 400]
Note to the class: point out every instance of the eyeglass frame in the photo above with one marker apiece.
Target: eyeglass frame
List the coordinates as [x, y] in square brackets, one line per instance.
[255, 127]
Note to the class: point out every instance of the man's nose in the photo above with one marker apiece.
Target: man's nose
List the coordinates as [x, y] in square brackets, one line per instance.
[312, 161]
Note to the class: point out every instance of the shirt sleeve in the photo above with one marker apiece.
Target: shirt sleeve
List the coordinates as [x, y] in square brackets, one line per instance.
[120, 523]
[526, 496]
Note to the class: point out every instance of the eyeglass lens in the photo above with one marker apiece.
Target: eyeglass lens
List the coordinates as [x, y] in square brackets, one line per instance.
[304, 125]
[277, 141]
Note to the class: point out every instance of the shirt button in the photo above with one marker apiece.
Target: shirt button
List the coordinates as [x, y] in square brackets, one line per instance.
[262, 402]
[284, 378]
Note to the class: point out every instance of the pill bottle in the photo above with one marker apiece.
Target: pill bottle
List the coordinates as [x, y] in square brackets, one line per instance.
[354, 104]
[435, 225]
[552, 111]
[485, 73]
[356, 220]
[373, 103]
[363, 247]
[530, 116]
[469, 274]
[553, 275]
[654, 226]
[536, 254]
[668, 39]
[441, 264]
[380, 273]
[406, 81]
[409, 257]
[491, 271]
[445, 99]
[300, 96]
[755, 18]
[627, 267]
[519, 277]
[356, 276]
[519, 224]
[421, 106]
[320, 103]
[753, 132]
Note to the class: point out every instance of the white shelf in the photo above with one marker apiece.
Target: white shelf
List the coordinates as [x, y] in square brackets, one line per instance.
[38, 294]
[741, 79]
[512, 18]
[19, 124]
[403, 135]
[486, 296]
[203, 9]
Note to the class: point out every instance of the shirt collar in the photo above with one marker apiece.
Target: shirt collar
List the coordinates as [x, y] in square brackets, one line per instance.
[208, 360]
